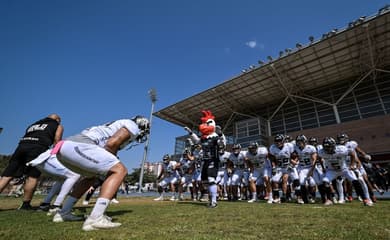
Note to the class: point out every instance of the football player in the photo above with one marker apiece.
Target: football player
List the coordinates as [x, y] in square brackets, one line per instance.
[259, 170]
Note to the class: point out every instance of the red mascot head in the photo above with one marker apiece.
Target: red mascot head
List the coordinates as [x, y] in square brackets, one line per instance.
[207, 127]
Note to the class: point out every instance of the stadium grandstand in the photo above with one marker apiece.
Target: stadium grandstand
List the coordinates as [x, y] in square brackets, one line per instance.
[338, 83]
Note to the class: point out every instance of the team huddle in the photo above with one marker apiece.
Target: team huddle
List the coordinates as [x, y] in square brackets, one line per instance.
[288, 170]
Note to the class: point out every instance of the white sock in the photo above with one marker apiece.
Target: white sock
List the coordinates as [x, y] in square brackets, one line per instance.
[68, 205]
[99, 208]
[340, 189]
[213, 193]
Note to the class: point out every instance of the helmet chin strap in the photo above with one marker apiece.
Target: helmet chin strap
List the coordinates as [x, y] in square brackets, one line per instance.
[131, 145]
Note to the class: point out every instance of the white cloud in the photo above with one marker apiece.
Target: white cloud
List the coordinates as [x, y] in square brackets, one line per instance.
[251, 44]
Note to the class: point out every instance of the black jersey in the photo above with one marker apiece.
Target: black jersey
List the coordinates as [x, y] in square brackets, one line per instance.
[41, 132]
[210, 148]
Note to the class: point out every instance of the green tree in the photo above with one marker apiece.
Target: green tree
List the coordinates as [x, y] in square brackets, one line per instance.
[133, 178]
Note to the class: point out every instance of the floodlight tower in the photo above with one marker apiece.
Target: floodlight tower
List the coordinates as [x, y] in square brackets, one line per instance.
[153, 98]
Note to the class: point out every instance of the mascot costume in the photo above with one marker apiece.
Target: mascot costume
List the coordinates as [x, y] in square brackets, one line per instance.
[211, 140]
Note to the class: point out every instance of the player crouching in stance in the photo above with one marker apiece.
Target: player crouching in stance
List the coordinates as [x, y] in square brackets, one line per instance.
[93, 152]
[210, 142]
[168, 176]
[336, 159]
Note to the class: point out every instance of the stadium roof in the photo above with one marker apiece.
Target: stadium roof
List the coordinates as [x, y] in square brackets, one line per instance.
[355, 52]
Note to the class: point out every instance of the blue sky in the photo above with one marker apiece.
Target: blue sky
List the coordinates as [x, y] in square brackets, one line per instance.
[94, 61]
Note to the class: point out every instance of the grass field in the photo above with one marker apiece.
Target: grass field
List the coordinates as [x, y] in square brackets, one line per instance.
[142, 218]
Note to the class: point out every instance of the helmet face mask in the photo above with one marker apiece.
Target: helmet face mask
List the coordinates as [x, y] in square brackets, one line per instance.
[252, 148]
[313, 141]
[143, 126]
[301, 141]
[166, 158]
[342, 138]
[329, 145]
[279, 140]
[236, 149]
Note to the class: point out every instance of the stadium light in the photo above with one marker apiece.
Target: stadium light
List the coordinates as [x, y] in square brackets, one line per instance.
[244, 70]
[153, 98]
[269, 58]
[252, 67]
[360, 20]
[260, 62]
[298, 45]
[281, 53]
[384, 9]
[288, 50]
[311, 39]
[333, 32]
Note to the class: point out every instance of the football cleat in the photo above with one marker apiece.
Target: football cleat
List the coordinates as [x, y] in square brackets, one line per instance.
[44, 207]
[25, 206]
[213, 205]
[53, 211]
[277, 200]
[161, 198]
[341, 201]
[100, 223]
[114, 201]
[368, 202]
[66, 217]
[328, 203]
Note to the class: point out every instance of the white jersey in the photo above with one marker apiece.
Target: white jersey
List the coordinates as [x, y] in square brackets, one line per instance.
[319, 147]
[100, 134]
[282, 156]
[336, 161]
[223, 159]
[260, 159]
[169, 168]
[351, 145]
[186, 166]
[238, 160]
[305, 155]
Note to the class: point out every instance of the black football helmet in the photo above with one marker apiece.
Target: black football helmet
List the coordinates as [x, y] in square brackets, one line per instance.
[236, 149]
[313, 141]
[252, 148]
[301, 141]
[166, 158]
[287, 138]
[329, 145]
[279, 140]
[342, 138]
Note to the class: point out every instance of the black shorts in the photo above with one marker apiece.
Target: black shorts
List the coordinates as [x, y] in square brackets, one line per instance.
[210, 169]
[23, 154]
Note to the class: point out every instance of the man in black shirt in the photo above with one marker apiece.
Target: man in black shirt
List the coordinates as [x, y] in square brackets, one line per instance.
[38, 137]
